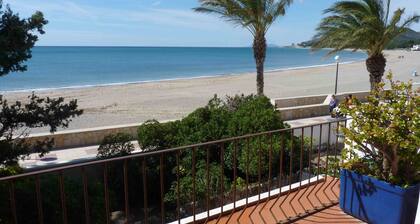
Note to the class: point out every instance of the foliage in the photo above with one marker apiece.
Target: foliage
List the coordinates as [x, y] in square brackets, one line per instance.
[256, 16]
[252, 115]
[16, 118]
[403, 44]
[405, 40]
[17, 37]
[26, 200]
[365, 25]
[361, 24]
[386, 131]
[186, 186]
[10, 170]
[219, 119]
[115, 145]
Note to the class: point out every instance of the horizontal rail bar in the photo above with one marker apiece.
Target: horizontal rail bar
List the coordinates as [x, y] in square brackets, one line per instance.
[158, 152]
[215, 201]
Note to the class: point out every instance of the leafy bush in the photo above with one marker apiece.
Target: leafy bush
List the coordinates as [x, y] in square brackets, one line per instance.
[73, 188]
[18, 117]
[115, 145]
[386, 131]
[234, 116]
[219, 119]
[17, 37]
[153, 135]
[252, 115]
[186, 183]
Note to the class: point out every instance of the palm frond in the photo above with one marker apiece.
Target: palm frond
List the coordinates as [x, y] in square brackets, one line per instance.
[360, 24]
[255, 15]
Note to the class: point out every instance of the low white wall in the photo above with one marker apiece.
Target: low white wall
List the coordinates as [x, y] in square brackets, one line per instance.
[322, 136]
[299, 101]
[292, 108]
[310, 106]
[84, 137]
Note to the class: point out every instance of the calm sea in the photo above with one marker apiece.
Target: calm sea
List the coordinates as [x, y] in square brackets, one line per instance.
[63, 67]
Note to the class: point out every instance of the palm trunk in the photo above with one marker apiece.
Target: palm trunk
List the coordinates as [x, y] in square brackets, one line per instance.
[376, 68]
[260, 47]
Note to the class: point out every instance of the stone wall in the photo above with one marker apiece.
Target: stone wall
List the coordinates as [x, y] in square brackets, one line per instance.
[84, 137]
[291, 108]
[310, 106]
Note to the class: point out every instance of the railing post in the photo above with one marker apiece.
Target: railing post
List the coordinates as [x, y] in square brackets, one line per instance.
[13, 201]
[217, 193]
[193, 176]
[162, 189]
[85, 195]
[145, 204]
[126, 202]
[62, 197]
[177, 188]
[39, 200]
[106, 193]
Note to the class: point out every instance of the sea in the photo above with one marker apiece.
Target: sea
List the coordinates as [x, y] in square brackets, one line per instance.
[80, 67]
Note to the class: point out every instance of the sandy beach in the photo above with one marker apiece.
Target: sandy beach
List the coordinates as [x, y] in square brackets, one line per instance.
[164, 100]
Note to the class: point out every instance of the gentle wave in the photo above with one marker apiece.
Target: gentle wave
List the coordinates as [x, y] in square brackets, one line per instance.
[173, 79]
[53, 68]
[313, 66]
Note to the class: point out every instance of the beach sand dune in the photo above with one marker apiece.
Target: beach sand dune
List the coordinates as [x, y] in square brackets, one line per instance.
[164, 100]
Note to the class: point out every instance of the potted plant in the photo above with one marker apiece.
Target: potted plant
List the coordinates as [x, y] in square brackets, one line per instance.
[380, 175]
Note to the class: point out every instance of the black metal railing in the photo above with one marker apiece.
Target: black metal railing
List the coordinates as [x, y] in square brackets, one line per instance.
[288, 173]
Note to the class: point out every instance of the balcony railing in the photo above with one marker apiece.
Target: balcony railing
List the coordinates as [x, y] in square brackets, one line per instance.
[275, 176]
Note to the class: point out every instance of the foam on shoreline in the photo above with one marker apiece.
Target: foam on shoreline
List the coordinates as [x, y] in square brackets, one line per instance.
[165, 80]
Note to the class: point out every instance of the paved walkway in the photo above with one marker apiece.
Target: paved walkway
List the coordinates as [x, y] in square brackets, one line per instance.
[79, 154]
[310, 121]
[64, 156]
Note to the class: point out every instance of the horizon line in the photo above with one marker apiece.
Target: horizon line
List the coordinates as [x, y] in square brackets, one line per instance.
[151, 46]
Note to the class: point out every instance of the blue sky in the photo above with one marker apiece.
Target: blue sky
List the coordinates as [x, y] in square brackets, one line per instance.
[166, 23]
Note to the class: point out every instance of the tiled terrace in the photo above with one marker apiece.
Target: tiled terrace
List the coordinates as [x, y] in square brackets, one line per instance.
[322, 195]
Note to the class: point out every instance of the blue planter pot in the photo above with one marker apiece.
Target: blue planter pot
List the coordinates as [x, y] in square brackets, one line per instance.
[375, 201]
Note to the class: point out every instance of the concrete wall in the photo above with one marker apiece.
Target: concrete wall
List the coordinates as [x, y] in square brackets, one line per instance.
[310, 106]
[292, 113]
[84, 137]
[290, 108]
[321, 136]
[299, 101]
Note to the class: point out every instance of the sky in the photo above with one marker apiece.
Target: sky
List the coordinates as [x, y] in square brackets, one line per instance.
[167, 23]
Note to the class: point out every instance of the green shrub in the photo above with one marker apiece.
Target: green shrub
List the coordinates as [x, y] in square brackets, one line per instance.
[16, 120]
[153, 135]
[252, 114]
[234, 116]
[386, 131]
[219, 119]
[115, 145]
[26, 200]
[10, 170]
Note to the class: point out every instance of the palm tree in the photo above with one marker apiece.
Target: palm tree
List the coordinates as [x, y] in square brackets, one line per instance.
[255, 15]
[365, 25]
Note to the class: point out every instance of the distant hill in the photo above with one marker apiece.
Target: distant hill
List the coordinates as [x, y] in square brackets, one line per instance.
[273, 46]
[306, 43]
[405, 40]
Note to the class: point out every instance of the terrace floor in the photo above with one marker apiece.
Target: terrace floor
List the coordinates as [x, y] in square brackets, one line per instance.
[294, 204]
